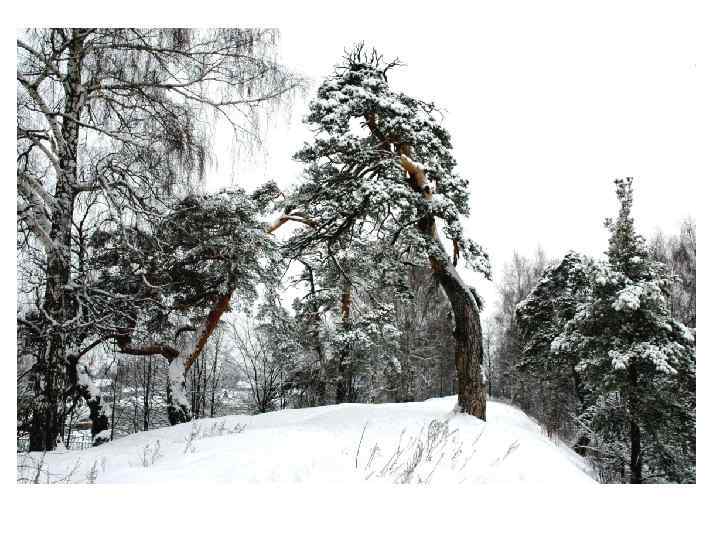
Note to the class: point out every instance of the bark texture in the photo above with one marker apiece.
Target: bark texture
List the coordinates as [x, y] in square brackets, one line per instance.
[315, 324]
[468, 330]
[50, 372]
[180, 360]
[178, 409]
[344, 392]
[635, 445]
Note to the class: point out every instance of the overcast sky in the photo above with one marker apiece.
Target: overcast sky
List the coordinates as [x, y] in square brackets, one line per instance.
[545, 109]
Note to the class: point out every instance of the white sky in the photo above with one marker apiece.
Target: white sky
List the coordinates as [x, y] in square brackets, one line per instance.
[545, 109]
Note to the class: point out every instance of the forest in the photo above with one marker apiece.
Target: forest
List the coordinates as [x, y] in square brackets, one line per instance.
[146, 299]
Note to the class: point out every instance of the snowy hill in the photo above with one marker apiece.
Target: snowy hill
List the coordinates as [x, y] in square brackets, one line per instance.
[424, 442]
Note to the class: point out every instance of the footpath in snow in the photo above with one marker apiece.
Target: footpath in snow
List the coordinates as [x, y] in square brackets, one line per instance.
[415, 443]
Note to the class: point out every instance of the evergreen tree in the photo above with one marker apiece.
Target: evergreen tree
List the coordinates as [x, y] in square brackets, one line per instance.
[636, 360]
[541, 317]
[166, 288]
[379, 174]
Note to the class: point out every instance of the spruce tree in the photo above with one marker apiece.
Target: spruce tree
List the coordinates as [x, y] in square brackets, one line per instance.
[636, 360]
[541, 317]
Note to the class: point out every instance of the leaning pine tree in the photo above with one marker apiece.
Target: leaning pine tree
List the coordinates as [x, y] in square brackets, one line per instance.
[638, 362]
[380, 177]
[171, 285]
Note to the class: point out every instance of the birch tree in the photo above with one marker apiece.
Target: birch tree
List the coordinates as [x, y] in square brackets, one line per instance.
[122, 113]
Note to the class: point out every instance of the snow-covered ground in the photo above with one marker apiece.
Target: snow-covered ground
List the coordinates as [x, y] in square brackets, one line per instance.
[424, 442]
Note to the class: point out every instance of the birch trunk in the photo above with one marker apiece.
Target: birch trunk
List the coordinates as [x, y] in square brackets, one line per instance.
[50, 373]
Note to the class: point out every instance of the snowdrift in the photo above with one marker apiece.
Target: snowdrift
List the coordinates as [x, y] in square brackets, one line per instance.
[415, 443]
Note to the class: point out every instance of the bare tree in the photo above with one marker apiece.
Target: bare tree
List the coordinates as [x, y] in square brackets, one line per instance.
[123, 114]
[519, 276]
[206, 375]
[679, 252]
[261, 370]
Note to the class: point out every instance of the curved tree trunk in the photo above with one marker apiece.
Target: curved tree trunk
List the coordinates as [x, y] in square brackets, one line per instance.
[180, 361]
[466, 311]
[468, 338]
[468, 330]
[179, 409]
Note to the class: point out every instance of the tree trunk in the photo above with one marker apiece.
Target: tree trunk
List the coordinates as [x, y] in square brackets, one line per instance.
[80, 381]
[147, 404]
[100, 429]
[214, 381]
[319, 386]
[635, 454]
[178, 407]
[466, 310]
[635, 447]
[49, 374]
[343, 392]
[115, 402]
[468, 339]
[180, 361]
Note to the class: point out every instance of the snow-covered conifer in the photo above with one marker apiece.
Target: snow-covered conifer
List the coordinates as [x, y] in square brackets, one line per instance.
[172, 284]
[541, 316]
[379, 176]
[634, 355]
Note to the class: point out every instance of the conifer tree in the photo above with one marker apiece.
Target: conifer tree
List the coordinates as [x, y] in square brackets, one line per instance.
[637, 361]
[541, 317]
[167, 287]
[379, 176]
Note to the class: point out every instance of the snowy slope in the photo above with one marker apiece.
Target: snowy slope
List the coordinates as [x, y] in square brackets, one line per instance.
[405, 442]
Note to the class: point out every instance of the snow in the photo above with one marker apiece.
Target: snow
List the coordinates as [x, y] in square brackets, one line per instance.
[628, 299]
[619, 359]
[658, 356]
[104, 435]
[425, 442]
